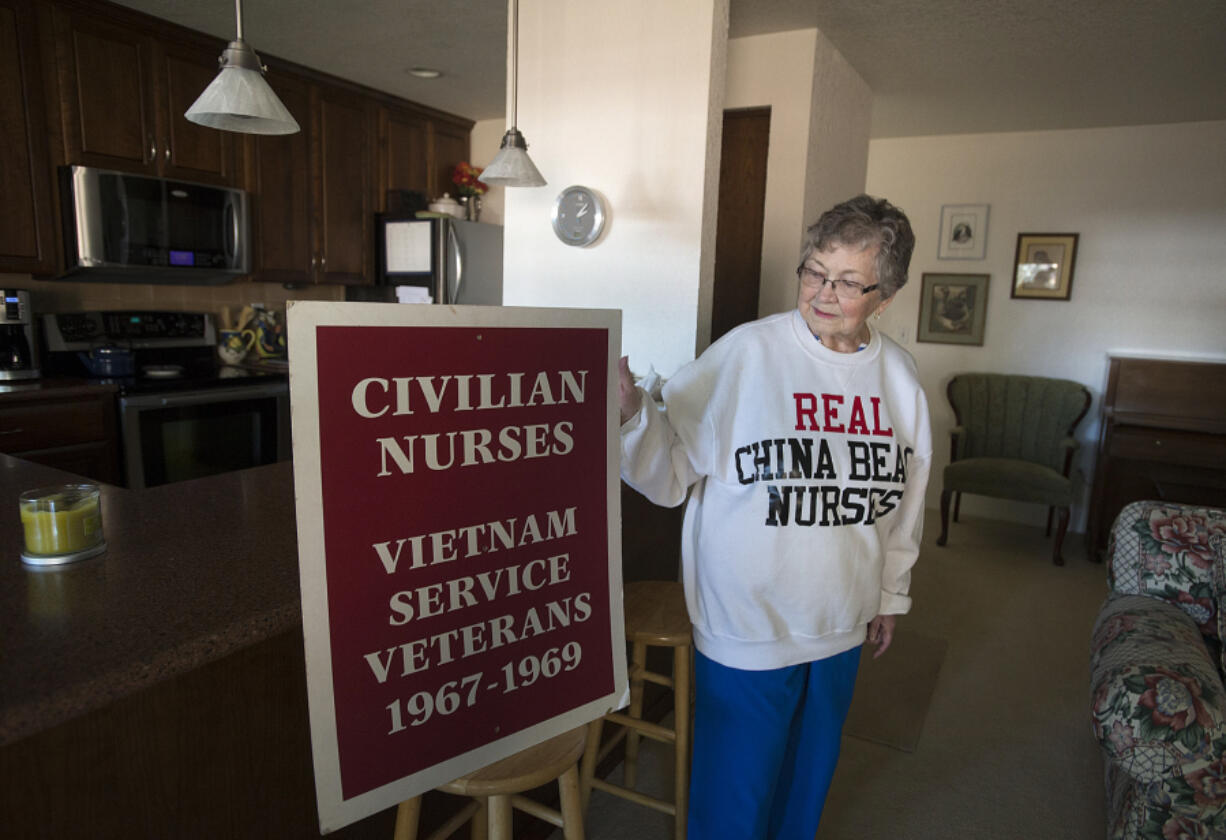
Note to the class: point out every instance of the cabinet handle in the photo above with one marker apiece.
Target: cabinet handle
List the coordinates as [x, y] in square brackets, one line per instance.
[314, 263]
[12, 431]
[323, 262]
[1157, 443]
[153, 148]
[168, 154]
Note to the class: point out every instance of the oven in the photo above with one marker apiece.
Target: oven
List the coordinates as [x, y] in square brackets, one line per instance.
[182, 414]
[182, 435]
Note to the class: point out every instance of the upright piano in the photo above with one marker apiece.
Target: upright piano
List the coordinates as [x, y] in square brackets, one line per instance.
[1163, 436]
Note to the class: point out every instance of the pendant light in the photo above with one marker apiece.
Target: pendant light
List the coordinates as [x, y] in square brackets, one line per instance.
[512, 167]
[239, 99]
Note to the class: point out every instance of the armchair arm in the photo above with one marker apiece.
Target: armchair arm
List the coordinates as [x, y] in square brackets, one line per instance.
[1157, 701]
[956, 434]
[1070, 446]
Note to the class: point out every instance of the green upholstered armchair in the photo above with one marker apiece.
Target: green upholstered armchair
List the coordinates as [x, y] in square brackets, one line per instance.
[1014, 440]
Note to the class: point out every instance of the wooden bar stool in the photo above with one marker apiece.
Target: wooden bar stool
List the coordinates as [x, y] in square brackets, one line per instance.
[496, 789]
[655, 616]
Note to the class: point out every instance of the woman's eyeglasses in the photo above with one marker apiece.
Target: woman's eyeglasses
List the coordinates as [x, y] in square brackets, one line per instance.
[845, 289]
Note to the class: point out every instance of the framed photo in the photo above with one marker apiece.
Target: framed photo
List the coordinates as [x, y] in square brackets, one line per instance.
[953, 308]
[964, 232]
[1043, 266]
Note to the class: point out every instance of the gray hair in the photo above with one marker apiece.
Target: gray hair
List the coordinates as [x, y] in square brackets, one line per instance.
[862, 222]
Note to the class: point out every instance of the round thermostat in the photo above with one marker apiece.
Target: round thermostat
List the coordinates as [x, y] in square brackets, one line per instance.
[578, 215]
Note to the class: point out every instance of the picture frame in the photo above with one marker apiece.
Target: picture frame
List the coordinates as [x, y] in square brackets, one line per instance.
[964, 232]
[953, 308]
[1043, 266]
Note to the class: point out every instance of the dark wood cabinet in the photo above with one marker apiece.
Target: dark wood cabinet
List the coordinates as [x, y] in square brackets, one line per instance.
[116, 84]
[345, 187]
[220, 751]
[404, 153]
[353, 148]
[69, 428]
[418, 151]
[1163, 436]
[123, 91]
[450, 146]
[105, 72]
[27, 234]
[315, 190]
[190, 151]
[284, 249]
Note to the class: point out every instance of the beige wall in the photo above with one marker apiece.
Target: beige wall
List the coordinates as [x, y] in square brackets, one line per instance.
[483, 145]
[839, 129]
[644, 128]
[776, 71]
[1149, 203]
[818, 140]
[619, 97]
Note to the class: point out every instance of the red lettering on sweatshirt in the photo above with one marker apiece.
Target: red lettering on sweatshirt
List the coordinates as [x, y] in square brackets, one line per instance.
[806, 415]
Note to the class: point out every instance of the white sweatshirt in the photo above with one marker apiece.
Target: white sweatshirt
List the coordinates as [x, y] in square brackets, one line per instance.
[808, 469]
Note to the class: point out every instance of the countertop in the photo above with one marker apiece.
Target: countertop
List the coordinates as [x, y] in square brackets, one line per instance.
[19, 390]
[193, 572]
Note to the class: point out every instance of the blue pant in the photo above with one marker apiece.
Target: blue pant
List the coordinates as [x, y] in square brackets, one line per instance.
[765, 747]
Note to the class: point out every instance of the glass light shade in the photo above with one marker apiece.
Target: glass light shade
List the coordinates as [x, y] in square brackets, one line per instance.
[512, 167]
[240, 100]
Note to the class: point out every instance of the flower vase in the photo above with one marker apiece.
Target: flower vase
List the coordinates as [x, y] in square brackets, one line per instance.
[472, 207]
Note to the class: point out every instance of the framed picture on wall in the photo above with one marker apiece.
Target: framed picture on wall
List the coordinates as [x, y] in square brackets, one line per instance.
[964, 232]
[1043, 266]
[953, 308]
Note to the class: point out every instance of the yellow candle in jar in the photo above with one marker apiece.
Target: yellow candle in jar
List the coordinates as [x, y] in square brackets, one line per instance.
[61, 520]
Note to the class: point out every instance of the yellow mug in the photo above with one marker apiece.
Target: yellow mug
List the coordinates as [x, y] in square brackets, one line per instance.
[234, 345]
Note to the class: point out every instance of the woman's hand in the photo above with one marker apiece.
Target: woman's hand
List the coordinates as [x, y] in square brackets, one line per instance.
[628, 396]
[881, 633]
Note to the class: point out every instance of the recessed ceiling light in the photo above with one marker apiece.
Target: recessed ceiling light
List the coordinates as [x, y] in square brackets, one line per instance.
[424, 72]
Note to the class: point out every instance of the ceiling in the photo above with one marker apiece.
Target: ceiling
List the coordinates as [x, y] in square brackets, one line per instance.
[935, 67]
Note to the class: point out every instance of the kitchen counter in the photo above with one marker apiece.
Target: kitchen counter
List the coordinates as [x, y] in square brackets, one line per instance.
[193, 572]
[18, 390]
[160, 688]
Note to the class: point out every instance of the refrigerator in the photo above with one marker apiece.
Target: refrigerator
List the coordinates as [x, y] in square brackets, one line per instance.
[440, 260]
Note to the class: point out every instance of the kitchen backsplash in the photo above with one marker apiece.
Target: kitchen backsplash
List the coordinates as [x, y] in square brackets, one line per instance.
[69, 296]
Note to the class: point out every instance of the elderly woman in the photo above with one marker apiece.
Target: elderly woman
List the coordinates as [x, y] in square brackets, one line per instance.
[803, 442]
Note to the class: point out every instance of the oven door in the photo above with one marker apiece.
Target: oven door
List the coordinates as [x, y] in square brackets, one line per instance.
[180, 435]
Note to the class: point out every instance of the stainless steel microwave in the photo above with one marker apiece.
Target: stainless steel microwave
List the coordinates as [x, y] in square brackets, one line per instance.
[137, 229]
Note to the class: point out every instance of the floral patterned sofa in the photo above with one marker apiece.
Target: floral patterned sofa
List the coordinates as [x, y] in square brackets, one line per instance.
[1159, 706]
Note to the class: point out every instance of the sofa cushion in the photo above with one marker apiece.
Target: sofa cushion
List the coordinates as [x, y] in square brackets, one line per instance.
[1005, 478]
[1159, 711]
[1168, 551]
[1159, 706]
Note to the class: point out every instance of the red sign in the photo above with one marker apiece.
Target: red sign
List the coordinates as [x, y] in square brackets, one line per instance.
[463, 501]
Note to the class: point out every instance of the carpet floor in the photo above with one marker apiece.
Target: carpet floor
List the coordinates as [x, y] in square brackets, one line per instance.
[894, 691]
[1003, 748]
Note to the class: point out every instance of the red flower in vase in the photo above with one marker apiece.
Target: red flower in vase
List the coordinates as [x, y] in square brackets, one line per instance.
[465, 177]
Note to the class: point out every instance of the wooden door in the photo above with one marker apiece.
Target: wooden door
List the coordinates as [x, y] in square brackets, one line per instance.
[282, 183]
[26, 233]
[450, 147]
[404, 162]
[106, 95]
[189, 151]
[742, 209]
[344, 199]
